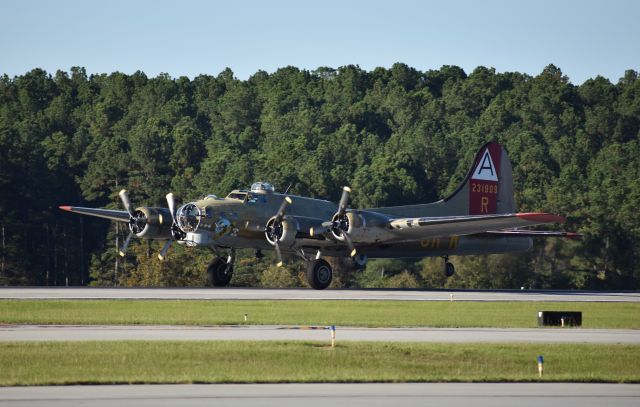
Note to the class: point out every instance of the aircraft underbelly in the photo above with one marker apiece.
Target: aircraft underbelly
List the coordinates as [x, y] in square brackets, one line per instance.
[244, 243]
[450, 246]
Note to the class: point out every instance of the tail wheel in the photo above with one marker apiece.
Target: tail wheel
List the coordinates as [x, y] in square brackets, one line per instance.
[219, 273]
[319, 274]
[449, 269]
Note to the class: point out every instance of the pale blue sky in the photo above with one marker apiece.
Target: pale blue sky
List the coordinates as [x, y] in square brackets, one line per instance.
[584, 38]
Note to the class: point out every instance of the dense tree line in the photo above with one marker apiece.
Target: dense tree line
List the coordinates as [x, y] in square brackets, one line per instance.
[397, 136]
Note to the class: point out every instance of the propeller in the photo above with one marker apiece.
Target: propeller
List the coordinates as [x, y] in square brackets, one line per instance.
[329, 225]
[344, 201]
[347, 239]
[123, 250]
[163, 253]
[283, 207]
[172, 206]
[125, 201]
[274, 228]
[340, 222]
[176, 232]
[279, 256]
[137, 221]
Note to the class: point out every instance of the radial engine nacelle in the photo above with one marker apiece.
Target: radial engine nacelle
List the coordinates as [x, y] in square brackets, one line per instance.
[361, 226]
[289, 229]
[151, 223]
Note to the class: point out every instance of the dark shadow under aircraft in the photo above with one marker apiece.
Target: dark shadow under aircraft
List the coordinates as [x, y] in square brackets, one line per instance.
[478, 218]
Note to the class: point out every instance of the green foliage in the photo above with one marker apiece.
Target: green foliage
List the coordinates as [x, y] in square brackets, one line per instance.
[389, 273]
[278, 277]
[181, 269]
[402, 280]
[397, 136]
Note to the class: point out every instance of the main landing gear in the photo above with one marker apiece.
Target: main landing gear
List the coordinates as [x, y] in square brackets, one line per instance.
[319, 274]
[220, 271]
[449, 268]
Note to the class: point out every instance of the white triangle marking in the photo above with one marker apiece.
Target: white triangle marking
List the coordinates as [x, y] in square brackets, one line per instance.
[485, 170]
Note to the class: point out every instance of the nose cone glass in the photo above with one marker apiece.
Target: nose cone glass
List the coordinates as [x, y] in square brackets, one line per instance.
[188, 217]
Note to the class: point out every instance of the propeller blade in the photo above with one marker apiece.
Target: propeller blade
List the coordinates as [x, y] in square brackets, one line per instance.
[283, 207]
[125, 201]
[347, 239]
[279, 255]
[125, 245]
[172, 206]
[163, 253]
[344, 200]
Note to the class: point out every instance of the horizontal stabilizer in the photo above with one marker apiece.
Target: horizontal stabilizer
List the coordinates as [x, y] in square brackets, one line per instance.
[532, 233]
[120, 216]
[466, 225]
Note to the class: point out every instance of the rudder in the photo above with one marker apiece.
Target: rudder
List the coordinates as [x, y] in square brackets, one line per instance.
[488, 187]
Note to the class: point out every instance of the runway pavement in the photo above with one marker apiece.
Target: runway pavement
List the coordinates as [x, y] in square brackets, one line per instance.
[268, 332]
[309, 294]
[322, 395]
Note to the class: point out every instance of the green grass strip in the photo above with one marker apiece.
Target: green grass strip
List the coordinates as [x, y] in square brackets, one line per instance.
[53, 363]
[294, 312]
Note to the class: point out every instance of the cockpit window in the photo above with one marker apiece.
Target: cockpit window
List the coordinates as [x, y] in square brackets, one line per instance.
[238, 195]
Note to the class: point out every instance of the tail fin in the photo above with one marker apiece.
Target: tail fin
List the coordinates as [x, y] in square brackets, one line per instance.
[488, 186]
[487, 189]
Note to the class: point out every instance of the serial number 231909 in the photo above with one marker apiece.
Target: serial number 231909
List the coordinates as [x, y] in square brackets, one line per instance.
[484, 188]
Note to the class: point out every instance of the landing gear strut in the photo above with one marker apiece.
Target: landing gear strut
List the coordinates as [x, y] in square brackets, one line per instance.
[319, 274]
[449, 268]
[220, 271]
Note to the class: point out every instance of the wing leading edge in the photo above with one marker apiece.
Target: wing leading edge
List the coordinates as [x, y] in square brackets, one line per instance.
[119, 216]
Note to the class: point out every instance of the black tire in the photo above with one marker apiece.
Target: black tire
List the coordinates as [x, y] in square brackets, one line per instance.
[219, 273]
[449, 269]
[319, 274]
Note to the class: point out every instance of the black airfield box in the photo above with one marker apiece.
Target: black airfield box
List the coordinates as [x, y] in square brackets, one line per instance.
[559, 318]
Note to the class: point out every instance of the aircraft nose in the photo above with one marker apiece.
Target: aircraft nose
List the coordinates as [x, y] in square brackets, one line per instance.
[188, 217]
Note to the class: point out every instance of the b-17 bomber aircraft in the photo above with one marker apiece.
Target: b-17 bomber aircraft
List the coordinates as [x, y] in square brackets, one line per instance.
[478, 218]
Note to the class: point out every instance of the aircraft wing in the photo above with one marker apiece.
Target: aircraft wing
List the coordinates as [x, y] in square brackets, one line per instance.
[442, 226]
[120, 216]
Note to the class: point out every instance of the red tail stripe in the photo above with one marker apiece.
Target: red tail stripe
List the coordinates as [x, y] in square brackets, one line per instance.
[65, 208]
